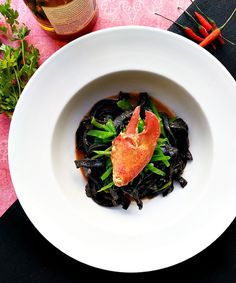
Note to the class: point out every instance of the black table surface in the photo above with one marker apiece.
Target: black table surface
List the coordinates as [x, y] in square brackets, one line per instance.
[26, 256]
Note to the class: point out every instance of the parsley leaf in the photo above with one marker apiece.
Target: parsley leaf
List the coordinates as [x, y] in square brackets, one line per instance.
[18, 61]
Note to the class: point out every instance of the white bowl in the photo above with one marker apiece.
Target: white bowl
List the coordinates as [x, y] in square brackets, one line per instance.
[42, 149]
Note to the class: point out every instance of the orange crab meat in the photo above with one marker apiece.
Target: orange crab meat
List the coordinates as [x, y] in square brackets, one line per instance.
[132, 151]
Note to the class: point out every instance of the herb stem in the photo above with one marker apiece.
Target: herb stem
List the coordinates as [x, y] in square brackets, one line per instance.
[17, 80]
[23, 51]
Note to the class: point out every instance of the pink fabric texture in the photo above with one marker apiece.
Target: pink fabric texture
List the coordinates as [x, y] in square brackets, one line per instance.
[111, 13]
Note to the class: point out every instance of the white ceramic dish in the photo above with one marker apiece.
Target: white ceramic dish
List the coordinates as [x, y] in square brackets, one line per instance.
[41, 149]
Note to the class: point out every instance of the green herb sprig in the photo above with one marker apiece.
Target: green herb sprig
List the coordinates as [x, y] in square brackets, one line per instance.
[18, 59]
[106, 131]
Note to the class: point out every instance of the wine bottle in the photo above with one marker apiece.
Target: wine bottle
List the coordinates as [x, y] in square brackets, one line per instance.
[64, 19]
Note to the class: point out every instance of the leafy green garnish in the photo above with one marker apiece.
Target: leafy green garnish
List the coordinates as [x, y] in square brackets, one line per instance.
[108, 130]
[155, 170]
[98, 125]
[158, 153]
[100, 134]
[161, 157]
[106, 174]
[18, 62]
[141, 125]
[164, 186]
[155, 111]
[111, 127]
[99, 141]
[124, 104]
[106, 187]
[102, 152]
[108, 163]
[9, 14]
[161, 142]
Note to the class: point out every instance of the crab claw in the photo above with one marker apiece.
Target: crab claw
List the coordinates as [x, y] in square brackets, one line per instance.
[132, 151]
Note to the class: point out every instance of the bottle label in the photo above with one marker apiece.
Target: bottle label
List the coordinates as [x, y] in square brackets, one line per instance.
[72, 17]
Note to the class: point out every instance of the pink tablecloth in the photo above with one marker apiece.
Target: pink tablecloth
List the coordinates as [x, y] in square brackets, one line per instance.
[111, 13]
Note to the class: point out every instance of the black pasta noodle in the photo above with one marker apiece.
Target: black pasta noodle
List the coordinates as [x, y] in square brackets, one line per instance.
[111, 116]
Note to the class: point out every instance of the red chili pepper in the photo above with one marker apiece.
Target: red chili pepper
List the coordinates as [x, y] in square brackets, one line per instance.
[210, 20]
[200, 27]
[215, 33]
[192, 34]
[208, 23]
[188, 31]
[211, 37]
[220, 37]
[203, 22]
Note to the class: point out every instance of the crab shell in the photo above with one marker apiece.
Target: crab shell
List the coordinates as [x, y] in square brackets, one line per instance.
[132, 151]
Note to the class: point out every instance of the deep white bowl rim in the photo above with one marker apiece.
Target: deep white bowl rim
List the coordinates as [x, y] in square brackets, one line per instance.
[21, 179]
